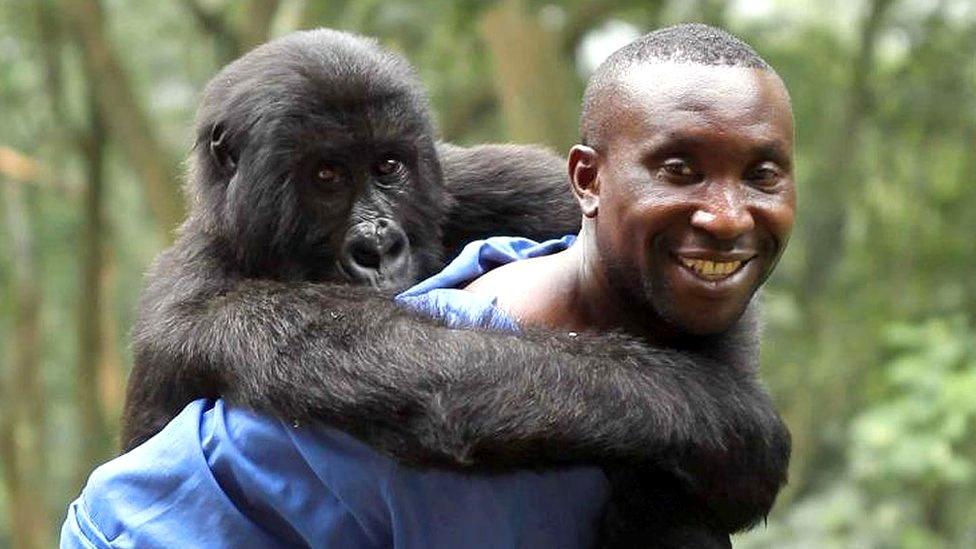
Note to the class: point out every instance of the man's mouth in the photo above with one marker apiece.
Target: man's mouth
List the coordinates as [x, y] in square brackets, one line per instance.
[712, 270]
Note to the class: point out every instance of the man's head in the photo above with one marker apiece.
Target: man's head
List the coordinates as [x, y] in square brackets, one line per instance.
[685, 175]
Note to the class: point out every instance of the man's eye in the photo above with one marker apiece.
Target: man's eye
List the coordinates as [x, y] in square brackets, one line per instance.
[676, 168]
[765, 175]
[327, 174]
[388, 166]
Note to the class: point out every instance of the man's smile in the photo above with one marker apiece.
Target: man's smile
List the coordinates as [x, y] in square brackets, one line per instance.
[711, 270]
[714, 267]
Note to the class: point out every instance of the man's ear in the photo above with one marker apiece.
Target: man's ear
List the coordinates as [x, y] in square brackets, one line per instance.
[220, 149]
[583, 170]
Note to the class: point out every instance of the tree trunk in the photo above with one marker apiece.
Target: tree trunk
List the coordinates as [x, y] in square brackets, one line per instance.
[835, 179]
[22, 414]
[533, 81]
[228, 44]
[98, 383]
[128, 121]
[95, 433]
[256, 27]
[231, 41]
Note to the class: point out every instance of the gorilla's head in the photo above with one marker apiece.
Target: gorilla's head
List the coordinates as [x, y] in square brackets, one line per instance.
[315, 159]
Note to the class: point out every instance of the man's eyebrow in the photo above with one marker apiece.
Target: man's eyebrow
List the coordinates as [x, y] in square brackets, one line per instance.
[672, 142]
[775, 150]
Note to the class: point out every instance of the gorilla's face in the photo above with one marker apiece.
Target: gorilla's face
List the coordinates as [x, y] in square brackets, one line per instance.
[370, 197]
[321, 167]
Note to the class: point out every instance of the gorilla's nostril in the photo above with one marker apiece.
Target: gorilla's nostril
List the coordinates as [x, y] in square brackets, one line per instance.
[397, 247]
[376, 248]
[366, 255]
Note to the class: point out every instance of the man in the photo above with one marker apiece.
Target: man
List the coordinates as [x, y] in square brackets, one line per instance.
[685, 182]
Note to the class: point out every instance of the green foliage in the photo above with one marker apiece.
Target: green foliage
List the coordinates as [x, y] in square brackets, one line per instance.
[909, 474]
[922, 432]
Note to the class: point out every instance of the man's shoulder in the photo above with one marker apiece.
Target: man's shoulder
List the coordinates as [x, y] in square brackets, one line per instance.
[482, 256]
[460, 309]
[506, 278]
[442, 296]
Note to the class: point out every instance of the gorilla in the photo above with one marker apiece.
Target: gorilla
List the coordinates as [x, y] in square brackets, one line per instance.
[317, 189]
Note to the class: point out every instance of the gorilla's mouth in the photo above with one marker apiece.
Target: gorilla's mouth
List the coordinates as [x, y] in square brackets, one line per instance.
[387, 279]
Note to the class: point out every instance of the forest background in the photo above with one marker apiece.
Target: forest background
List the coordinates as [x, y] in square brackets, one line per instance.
[870, 339]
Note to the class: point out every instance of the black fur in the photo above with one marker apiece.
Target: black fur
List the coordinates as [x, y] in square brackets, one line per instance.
[505, 190]
[250, 304]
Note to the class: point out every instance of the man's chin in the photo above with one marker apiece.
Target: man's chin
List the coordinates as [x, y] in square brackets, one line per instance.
[705, 319]
[706, 328]
[700, 307]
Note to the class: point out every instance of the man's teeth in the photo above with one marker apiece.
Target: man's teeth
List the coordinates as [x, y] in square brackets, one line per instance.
[713, 270]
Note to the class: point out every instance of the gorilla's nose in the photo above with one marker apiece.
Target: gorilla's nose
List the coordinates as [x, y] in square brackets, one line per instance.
[375, 250]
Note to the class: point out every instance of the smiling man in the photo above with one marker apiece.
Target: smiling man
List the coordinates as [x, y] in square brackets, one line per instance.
[685, 179]
[686, 184]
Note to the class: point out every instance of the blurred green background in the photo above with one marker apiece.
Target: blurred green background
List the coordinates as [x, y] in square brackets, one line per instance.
[870, 340]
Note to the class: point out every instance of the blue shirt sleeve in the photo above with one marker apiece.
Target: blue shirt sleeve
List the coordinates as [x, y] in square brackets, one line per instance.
[219, 476]
[162, 494]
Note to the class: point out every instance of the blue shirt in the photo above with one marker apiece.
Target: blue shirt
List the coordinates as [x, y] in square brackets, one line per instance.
[221, 476]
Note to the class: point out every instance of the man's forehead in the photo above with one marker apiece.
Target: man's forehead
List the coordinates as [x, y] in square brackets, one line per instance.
[670, 78]
[655, 96]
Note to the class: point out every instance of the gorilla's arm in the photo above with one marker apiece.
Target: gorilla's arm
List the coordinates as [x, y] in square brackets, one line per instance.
[432, 395]
[505, 190]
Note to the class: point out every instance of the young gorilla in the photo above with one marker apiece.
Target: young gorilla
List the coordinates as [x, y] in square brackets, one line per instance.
[315, 163]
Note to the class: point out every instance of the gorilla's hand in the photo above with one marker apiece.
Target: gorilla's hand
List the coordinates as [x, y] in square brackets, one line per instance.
[650, 508]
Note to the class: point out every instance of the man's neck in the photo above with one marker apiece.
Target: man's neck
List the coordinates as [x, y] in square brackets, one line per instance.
[569, 291]
[602, 306]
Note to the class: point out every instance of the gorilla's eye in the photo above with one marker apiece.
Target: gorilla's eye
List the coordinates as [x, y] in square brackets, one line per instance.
[388, 166]
[327, 173]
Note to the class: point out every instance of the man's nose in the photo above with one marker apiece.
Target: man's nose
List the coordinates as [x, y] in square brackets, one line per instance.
[725, 214]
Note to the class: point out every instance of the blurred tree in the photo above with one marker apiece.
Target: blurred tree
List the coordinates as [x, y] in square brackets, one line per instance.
[533, 80]
[23, 414]
[98, 385]
[835, 176]
[232, 37]
[123, 109]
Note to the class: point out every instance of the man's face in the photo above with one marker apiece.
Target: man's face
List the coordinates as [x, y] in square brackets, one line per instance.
[696, 193]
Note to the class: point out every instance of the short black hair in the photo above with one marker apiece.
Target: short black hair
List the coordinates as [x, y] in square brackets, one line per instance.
[693, 43]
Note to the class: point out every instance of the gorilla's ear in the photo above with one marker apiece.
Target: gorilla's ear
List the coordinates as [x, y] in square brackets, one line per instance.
[220, 148]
